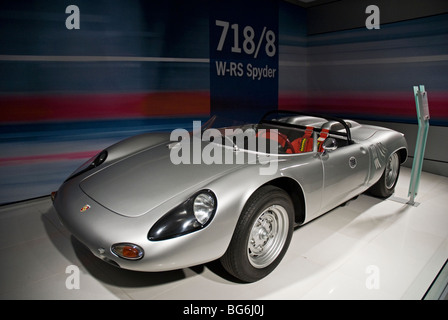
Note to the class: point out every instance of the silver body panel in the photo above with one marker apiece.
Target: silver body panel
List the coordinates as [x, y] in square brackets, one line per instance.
[138, 184]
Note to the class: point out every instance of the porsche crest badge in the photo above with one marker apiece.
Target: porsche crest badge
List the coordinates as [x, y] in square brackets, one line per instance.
[85, 208]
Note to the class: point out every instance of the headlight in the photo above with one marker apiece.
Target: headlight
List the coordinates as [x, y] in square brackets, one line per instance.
[99, 159]
[203, 207]
[192, 215]
[93, 162]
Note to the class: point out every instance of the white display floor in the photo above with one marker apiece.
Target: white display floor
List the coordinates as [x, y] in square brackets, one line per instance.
[368, 249]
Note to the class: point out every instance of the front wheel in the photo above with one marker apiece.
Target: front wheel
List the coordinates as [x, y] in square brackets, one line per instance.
[262, 235]
[385, 187]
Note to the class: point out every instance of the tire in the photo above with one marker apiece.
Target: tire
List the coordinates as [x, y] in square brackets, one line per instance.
[262, 235]
[385, 187]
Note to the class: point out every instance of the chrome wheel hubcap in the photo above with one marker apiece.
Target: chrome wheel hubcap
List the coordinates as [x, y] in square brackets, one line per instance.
[267, 236]
[392, 170]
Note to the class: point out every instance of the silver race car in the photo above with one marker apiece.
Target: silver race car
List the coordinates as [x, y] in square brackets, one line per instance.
[164, 201]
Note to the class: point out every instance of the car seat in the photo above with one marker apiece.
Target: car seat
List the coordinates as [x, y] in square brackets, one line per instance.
[305, 143]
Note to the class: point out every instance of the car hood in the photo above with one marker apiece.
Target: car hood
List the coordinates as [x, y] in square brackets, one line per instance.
[139, 183]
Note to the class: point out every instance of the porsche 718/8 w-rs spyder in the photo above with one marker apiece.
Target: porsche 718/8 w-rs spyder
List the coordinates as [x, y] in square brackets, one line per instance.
[134, 207]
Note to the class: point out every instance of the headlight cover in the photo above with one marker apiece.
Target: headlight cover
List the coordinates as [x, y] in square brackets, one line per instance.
[192, 215]
[93, 162]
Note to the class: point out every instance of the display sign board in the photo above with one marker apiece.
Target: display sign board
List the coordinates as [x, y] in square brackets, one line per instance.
[424, 112]
[243, 57]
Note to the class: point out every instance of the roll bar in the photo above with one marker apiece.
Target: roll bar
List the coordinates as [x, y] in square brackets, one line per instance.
[265, 119]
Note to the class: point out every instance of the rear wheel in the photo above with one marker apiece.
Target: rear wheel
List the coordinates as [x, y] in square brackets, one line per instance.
[262, 235]
[385, 187]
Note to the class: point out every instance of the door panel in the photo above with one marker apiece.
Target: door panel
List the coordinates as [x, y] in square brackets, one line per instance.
[346, 171]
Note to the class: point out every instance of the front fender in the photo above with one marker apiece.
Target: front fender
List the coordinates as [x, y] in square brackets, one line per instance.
[381, 148]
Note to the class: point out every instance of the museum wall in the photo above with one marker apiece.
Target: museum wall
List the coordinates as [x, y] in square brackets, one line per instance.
[293, 57]
[102, 63]
[350, 14]
[65, 94]
[369, 74]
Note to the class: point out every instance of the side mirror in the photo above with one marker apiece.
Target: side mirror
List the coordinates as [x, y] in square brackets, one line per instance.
[329, 145]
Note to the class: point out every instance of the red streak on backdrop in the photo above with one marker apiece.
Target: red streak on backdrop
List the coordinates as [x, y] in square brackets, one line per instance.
[397, 104]
[66, 107]
[63, 107]
[47, 157]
